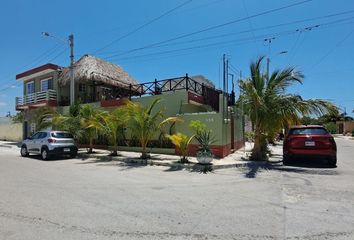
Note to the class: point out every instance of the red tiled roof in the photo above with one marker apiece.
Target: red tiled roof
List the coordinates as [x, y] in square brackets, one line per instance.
[37, 69]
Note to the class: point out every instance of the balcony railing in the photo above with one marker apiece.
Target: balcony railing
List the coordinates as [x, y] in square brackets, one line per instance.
[36, 97]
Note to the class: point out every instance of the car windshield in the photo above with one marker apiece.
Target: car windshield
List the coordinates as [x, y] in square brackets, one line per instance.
[62, 135]
[308, 131]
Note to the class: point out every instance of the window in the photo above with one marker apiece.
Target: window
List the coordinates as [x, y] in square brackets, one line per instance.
[30, 87]
[308, 131]
[46, 84]
[62, 135]
[82, 87]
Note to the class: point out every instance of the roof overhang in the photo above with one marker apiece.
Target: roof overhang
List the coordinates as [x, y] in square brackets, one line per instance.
[38, 71]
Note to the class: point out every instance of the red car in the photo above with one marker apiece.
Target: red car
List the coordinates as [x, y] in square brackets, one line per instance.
[312, 141]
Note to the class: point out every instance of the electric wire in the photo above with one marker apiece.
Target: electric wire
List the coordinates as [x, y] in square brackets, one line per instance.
[142, 26]
[215, 27]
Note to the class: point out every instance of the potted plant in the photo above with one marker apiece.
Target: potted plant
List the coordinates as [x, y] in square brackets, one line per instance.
[204, 138]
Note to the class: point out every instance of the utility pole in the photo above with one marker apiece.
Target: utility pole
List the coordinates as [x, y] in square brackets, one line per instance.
[72, 82]
[242, 116]
[71, 67]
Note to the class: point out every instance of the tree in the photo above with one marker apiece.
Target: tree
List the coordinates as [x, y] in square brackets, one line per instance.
[90, 122]
[42, 117]
[271, 108]
[112, 123]
[144, 123]
[181, 141]
[69, 122]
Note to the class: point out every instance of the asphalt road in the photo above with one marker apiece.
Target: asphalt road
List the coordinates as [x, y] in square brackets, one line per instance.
[88, 199]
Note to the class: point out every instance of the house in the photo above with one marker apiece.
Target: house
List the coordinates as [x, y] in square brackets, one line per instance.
[345, 127]
[106, 85]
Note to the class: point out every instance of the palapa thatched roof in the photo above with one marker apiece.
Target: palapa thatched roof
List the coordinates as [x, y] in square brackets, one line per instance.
[89, 68]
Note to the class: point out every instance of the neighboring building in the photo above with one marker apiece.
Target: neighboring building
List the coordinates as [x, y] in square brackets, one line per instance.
[10, 131]
[107, 85]
[345, 127]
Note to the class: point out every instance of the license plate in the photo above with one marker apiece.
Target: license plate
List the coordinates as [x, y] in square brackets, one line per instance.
[310, 143]
[66, 149]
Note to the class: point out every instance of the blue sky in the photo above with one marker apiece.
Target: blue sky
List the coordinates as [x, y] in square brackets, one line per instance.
[318, 36]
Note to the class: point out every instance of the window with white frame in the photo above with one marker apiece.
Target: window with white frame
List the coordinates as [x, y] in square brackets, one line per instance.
[46, 84]
[30, 87]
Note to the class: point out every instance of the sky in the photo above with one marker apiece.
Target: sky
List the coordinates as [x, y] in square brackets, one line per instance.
[169, 38]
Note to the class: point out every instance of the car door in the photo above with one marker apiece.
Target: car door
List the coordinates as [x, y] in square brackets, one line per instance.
[31, 143]
[41, 141]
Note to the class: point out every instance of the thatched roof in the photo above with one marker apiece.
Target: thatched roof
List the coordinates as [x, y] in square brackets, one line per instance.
[89, 68]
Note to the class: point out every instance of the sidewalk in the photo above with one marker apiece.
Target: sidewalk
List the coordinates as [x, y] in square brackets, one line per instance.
[234, 160]
[9, 144]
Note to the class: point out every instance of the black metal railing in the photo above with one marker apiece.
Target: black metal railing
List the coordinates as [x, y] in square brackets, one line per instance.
[209, 94]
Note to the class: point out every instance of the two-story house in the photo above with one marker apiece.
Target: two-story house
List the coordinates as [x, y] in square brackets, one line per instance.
[107, 85]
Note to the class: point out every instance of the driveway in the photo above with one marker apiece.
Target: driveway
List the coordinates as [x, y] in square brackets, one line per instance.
[82, 199]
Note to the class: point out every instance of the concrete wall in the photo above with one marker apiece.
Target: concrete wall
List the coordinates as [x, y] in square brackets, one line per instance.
[345, 127]
[10, 131]
[222, 124]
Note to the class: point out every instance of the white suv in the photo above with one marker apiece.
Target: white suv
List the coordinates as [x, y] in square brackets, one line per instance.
[47, 143]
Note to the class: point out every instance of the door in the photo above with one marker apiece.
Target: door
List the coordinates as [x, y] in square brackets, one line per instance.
[25, 130]
[32, 143]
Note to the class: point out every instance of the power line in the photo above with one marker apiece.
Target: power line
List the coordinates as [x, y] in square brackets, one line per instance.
[332, 49]
[144, 25]
[240, 32]
[238, 41]
[216, 26]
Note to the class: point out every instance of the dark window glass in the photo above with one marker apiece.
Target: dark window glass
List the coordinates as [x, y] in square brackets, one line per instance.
[62, 135]
[308, 131]
[43, 135]
[36, 135]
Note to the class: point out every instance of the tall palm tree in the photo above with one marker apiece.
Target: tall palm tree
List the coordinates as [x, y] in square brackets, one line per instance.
[145, 123]
[271, 108]
[111, 124]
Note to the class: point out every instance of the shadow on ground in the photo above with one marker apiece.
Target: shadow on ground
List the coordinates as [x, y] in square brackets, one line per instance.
[303, 166]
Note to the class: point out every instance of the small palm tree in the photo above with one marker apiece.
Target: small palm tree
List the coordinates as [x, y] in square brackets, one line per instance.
[112, 123]
[90, 122]
[144, 123]
[271, 108]
[181, 141]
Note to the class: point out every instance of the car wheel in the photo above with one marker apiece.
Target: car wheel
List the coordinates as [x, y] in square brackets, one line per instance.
[24, 152]
[73, 155]
[44, 154]
[332, 161]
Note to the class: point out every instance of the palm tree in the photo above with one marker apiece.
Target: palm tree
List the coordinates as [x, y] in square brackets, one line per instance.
[90, 122]
[144, 123]
[271, 108]
[112, 123]
[181, 141]
[69, 122]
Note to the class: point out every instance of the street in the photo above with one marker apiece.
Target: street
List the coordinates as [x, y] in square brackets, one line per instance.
[80, 199]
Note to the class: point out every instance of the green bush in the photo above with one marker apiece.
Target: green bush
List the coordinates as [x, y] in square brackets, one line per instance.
[331, 127]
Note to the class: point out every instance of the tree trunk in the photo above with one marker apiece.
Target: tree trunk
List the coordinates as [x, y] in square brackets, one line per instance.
[143, 151]
[90, 146]
[115, 150]
[257, 148]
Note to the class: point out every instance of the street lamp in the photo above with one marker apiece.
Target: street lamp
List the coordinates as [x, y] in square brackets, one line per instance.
[268, 61]
[71, 45]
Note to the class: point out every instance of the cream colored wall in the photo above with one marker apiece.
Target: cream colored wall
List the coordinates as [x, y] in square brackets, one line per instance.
[10, 131]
